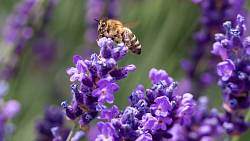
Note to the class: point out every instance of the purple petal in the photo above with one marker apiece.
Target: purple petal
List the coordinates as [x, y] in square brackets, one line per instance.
[11, 108]
[96, 93]
[130, 68]
[114, 87]
[110, 98]
[103, 83]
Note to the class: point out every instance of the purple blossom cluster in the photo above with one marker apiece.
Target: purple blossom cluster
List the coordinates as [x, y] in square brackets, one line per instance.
[8, 110]
[205, 125]
[234, 72]
[18, 29]
[213, 14]
[44, 46]
[94, 81]
[28, 21]
[44, 49]
[52, 127]
[20, 24]
[16, 32]
[151, 114]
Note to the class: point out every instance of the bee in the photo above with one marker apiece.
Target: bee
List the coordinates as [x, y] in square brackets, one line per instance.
[115, 30]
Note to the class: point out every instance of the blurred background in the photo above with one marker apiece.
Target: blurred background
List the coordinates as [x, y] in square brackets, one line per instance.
[164, 27]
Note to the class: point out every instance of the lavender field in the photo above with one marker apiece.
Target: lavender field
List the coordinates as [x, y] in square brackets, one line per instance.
[124, 70]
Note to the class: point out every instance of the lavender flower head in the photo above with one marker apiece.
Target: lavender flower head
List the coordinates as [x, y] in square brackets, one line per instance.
[204, 124]
[208, 124]
[52, 126]
[213, 14]
[94, 82]
[8, 110]
[15, 33]
[234, 73]
[20, 27]
[234, 67]
[17, 26]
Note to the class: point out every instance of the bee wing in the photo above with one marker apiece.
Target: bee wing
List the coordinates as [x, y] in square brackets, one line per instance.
[131, 24]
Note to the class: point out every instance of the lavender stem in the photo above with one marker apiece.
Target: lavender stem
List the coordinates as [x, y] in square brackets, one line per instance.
[72, 132]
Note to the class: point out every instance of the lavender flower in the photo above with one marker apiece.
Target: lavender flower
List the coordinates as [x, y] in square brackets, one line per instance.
[152, 113]
[44, 49]
[56, 134]
[52, 126]
[234, 74]
[162, 106]
[225, 69]
[20, 28]
[8, 110]
[186, 108]
[148, 122]
[108, 114]
[107, 132]
[15, 34]
[213, 14]
[145, 137]
[92, 133]
[203, 124]
[105, 91]
[17, 28]
[95, 82]
[212, 125]
[159, 75]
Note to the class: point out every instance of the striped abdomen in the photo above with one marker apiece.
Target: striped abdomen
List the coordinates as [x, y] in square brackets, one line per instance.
[131, 41]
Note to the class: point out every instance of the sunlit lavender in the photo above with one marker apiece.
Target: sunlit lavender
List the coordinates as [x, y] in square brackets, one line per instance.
[56, 85]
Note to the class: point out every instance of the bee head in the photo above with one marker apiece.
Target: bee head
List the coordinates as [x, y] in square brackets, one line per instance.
[102, 24]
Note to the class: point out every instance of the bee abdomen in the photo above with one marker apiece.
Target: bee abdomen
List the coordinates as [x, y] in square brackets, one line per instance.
[135, 45]
[132, 43]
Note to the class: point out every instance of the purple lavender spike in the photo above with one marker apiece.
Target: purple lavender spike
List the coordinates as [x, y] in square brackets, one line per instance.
[213, 14]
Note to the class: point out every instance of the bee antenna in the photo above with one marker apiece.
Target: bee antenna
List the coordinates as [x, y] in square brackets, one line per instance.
[96, 19]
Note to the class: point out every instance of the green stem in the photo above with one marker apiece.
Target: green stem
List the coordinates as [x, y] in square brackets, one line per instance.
[235, 138]
[248, 116]
[72, 132]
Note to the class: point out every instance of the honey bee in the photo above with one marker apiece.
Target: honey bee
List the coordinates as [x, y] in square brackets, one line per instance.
[115, 30]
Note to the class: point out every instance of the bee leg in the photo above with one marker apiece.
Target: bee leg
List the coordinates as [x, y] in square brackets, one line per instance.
[113, 38]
